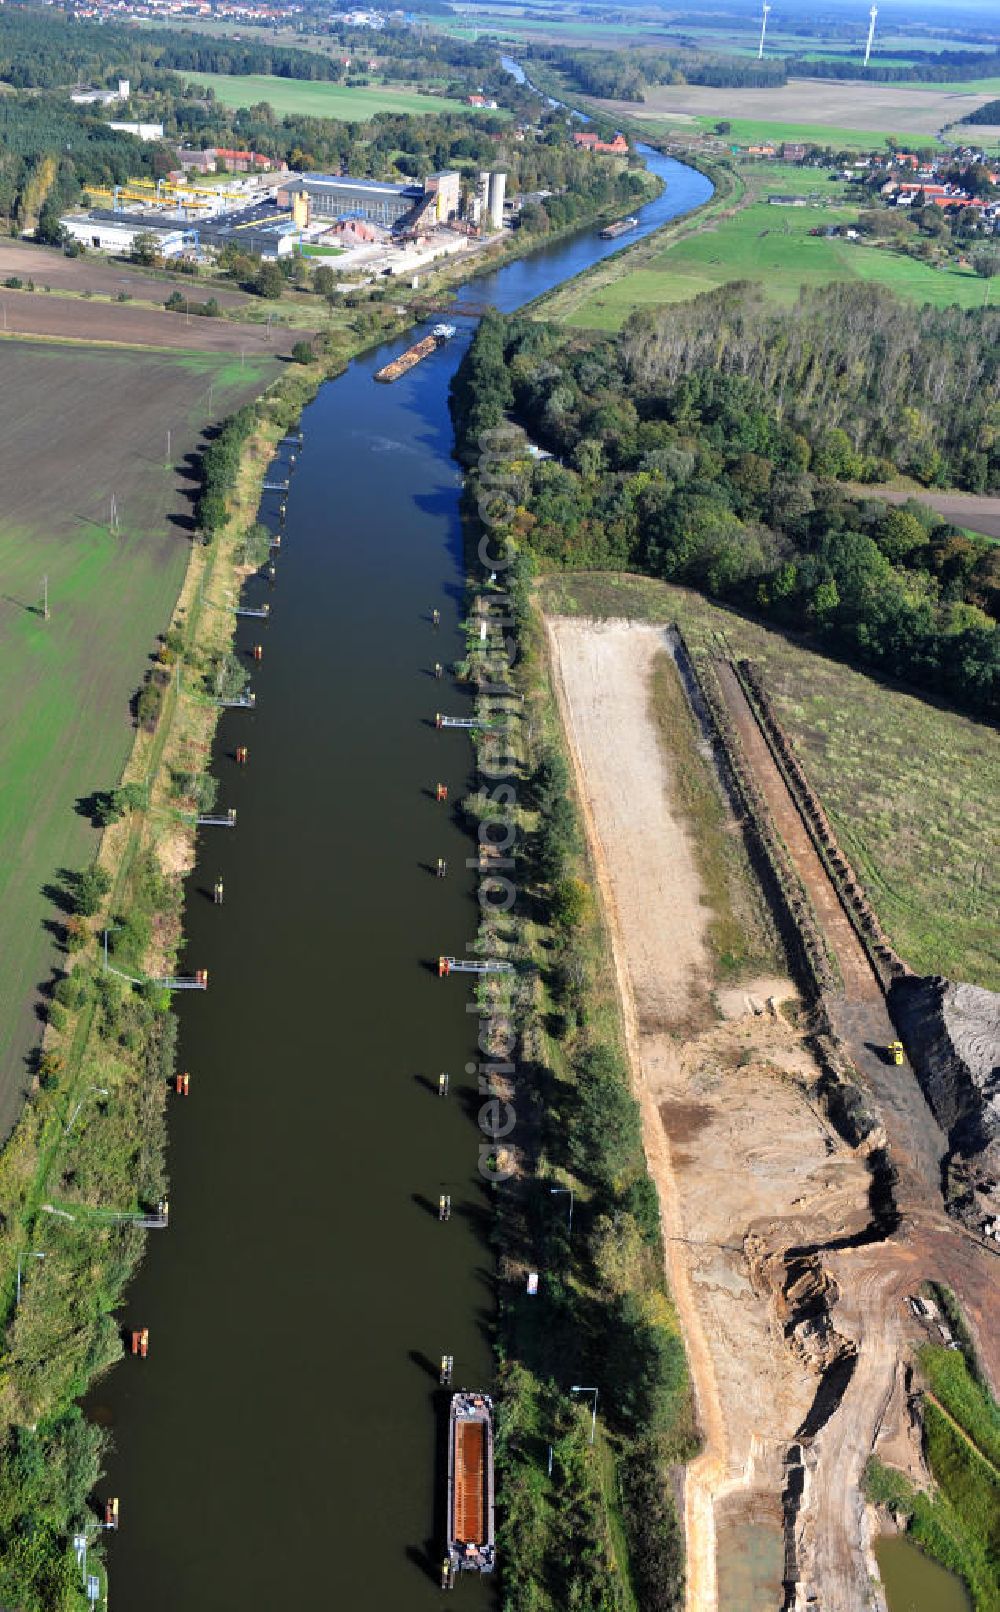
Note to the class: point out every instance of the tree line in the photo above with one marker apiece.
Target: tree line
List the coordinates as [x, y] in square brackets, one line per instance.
[624, 75]
[989, 112]
[926, 67]
[696, 456]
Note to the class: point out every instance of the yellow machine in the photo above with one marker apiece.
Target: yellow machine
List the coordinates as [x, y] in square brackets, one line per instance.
[895, 1051]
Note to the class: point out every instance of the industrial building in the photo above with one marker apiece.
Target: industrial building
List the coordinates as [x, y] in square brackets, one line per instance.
[339, 196]
[264, 231]
[85, 97]
[113, 233]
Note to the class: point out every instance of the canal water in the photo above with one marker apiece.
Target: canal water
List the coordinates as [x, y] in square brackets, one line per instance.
[281, 1447]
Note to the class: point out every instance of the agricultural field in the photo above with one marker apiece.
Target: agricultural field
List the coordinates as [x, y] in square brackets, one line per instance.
[769, 244]
[319, 99]
[824, 110]
[909, 786]
[98, 276]
[70, 679]
[70, 318]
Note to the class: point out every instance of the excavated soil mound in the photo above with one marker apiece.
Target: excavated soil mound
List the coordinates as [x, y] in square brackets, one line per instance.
[952, 1034]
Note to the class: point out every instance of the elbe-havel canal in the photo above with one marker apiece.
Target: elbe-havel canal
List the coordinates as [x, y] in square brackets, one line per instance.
[280, 1447]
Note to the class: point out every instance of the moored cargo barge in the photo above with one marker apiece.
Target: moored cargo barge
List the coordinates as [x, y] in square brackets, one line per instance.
[422, 349]
[471, 1543]
[621, 226]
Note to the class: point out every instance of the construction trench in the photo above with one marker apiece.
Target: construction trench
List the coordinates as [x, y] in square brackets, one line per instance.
[816, 1158]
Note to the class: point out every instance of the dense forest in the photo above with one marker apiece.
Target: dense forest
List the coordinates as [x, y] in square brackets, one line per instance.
[910, 389]
[624, 75]
[47, 50]
[709, 445]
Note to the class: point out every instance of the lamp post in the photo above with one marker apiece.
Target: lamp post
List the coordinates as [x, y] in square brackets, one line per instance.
[577, 1389]
[554, 1192]
[30, 1253]
[102, 1091]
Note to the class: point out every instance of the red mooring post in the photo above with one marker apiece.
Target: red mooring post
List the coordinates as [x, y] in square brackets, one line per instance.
[441, 793]
[242, 755]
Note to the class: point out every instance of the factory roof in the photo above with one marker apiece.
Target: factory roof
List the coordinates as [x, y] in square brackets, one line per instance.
[345, 182]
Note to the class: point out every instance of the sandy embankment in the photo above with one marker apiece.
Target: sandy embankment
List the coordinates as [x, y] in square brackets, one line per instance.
[744, 1163]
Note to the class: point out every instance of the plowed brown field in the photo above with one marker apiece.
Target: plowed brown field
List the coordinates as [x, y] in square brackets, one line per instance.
[33, 313]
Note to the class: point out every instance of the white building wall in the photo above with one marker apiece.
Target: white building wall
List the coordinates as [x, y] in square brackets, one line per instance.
[101, 236]
[143, 131]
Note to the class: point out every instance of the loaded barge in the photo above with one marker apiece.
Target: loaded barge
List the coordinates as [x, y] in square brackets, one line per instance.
[399, 366]
[621, 226]
[471, 1542]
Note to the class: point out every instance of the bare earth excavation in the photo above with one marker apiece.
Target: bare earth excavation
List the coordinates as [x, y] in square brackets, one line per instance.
[790, 1288]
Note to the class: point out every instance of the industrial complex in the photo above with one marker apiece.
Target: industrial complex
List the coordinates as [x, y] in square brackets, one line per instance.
[370, 224]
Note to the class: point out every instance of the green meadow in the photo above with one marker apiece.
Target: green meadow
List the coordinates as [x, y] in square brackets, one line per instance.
[756, 131]
[319, 99]
[773, 246]
[68, 681]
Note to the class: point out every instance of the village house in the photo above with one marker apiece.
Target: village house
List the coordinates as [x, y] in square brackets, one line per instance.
[592, 142]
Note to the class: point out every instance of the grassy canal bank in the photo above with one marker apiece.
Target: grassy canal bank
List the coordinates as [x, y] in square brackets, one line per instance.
[85, 1162]
[586, 1514]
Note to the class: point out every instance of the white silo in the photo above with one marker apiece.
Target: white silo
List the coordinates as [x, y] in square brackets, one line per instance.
[498, 185]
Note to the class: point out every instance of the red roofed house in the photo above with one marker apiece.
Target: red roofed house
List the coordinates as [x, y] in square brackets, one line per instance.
[593, 142]
[243, 162]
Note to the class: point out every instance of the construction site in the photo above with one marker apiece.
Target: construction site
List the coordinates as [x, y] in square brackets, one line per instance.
[798, 1153]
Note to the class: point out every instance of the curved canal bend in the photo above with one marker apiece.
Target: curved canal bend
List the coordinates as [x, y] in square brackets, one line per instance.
[278, 1448]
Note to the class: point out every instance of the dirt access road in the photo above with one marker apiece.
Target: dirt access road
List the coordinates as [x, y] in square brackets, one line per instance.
[33, 313]
[745, 1163]
[917, 1145]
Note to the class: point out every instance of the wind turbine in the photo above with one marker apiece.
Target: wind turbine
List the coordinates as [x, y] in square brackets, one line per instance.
[763, 29]
[873, 13]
